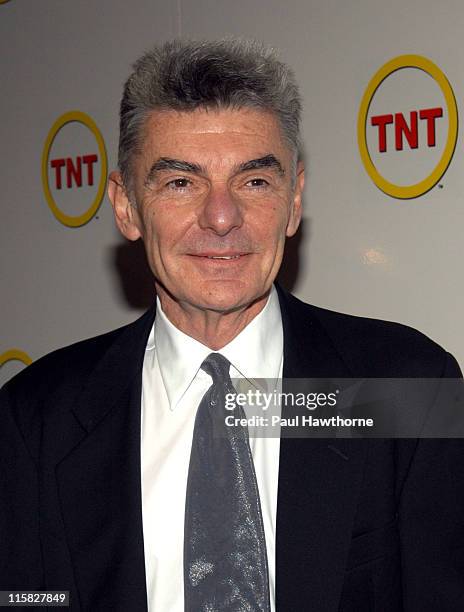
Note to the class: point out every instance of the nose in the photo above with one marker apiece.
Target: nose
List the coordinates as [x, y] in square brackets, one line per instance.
[220, 212]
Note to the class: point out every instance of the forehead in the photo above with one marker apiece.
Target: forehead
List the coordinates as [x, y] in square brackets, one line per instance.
[234, 133]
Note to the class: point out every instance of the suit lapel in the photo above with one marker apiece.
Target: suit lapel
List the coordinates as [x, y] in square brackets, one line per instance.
[319, 481]
[99, 479]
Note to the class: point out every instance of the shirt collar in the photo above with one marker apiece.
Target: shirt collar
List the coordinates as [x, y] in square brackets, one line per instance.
[254, 354]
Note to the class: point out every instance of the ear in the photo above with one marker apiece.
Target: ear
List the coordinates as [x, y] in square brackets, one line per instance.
[125, 214]
[296, 209]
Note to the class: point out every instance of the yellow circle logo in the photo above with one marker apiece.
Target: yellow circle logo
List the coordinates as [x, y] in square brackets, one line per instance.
[74, 171]
[15, 355]
[429, 115]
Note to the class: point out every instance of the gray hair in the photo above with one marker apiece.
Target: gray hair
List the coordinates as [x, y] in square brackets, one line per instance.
[186, 75]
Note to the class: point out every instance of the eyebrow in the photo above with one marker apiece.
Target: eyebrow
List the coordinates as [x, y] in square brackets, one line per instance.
[268, 161]
[168, 163]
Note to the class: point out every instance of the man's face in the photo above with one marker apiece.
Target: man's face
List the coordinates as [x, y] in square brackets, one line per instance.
[215, 202]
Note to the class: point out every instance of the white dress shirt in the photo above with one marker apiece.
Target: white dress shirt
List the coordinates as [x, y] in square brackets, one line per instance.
[173, 386]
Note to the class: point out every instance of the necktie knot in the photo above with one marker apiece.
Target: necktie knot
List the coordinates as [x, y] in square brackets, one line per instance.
[217, 366]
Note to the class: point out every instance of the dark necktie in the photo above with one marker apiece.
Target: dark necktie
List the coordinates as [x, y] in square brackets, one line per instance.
[225, 561]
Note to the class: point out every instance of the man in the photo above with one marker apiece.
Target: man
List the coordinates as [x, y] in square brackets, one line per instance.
[99, 441]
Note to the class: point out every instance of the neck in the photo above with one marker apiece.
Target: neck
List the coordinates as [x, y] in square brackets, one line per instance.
[212, 328]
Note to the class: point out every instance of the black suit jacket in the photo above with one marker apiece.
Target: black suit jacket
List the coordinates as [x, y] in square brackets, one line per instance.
[362, 525]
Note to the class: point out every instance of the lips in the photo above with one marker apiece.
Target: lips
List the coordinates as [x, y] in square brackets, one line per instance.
[221, 256]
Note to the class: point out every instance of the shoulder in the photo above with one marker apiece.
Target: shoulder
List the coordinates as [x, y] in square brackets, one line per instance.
[38, 388]
[50, 386]
[71, 363]
[67, 369]
[381, 348]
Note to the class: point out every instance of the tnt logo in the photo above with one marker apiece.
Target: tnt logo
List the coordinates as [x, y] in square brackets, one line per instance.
[11, 362]
[407, 126]
[74, 168]
[407, 130]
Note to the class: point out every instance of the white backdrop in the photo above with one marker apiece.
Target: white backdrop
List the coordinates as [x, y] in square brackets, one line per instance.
[360, 251]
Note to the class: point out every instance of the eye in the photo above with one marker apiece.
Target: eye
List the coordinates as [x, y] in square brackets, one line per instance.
[257, 183]
[178, 184]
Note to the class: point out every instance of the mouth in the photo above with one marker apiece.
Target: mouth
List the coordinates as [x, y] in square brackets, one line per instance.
[221, 257]
[226, 257]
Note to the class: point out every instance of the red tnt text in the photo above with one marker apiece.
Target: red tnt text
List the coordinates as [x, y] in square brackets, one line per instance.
[406, 129]
[73, 170]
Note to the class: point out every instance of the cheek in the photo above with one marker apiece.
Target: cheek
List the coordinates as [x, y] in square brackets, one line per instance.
[163, 231]
[272, 229]
[272, 214]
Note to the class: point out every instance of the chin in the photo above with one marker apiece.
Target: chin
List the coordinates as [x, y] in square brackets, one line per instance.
[226, 296]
